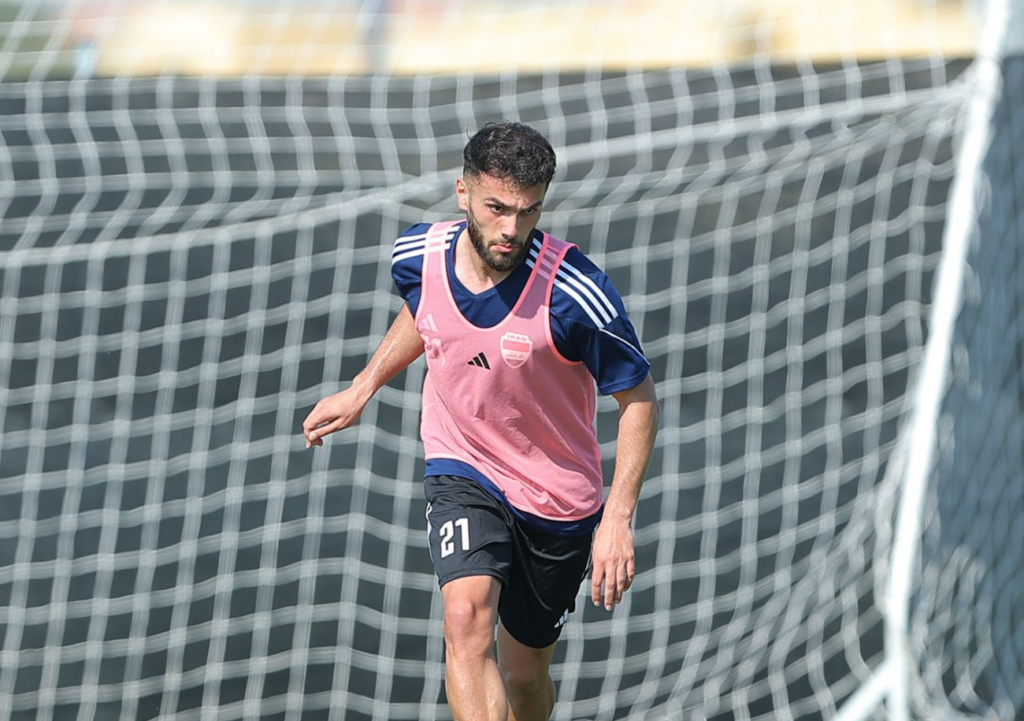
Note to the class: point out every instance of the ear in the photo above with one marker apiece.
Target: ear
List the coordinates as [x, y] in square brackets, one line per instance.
[462, 193]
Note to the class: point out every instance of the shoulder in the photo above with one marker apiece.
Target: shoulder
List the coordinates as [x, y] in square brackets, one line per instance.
[407, 262]
[410, 243]
[584, 292]
[589, 324]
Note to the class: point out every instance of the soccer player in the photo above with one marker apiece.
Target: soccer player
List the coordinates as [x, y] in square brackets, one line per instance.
[517, 326]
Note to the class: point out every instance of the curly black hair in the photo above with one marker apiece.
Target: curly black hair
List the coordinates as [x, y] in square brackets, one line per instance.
[510, 151]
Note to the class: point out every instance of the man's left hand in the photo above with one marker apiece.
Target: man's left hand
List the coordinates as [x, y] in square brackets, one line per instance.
[614, 562]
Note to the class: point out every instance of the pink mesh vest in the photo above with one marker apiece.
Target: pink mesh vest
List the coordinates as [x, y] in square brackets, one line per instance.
[503, 399]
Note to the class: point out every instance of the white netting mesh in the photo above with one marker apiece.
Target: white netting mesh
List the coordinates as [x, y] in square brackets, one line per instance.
[188, 264]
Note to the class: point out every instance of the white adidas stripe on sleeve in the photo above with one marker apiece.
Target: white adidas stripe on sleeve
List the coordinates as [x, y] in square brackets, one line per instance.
[410, 246]
[587, 308]
[413, 252]
[595, 290]
[567, 281]
[587, 294]
[411, 240]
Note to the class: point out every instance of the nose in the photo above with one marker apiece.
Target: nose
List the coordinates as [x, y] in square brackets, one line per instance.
[510, 226]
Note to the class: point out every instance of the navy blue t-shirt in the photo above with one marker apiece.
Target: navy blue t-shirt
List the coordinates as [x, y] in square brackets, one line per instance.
[588, 324]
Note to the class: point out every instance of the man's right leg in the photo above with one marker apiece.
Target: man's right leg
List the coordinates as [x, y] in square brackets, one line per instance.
[472, 680]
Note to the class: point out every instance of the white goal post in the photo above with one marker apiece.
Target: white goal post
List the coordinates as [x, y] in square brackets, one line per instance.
[197, 203]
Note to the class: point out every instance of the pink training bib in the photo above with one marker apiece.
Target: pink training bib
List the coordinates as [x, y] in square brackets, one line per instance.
[503, 399]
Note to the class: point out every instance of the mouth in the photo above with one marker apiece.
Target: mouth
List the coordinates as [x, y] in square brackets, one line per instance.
[504, 247]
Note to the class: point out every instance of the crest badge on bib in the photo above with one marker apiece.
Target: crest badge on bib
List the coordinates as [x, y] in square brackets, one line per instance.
[516, 348]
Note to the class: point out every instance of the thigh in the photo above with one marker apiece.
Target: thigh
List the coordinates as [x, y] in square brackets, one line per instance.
[470, 610]
[545, 577]
[468, 532]
[527, 664]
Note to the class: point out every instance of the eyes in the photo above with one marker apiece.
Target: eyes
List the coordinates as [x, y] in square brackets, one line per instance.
[501, 210]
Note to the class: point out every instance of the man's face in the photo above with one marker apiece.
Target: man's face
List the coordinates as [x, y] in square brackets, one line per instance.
[500, 218]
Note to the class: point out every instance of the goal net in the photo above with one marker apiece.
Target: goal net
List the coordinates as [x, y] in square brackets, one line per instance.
[196, 214]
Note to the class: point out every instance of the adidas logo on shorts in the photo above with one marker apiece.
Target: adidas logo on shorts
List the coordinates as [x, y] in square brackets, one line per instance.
[561, 622]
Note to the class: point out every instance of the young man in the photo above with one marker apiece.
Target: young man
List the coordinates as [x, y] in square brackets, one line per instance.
[517, 326]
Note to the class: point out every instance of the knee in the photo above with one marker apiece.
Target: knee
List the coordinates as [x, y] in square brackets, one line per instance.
[463, 615]
[468, 626]
[525, 680]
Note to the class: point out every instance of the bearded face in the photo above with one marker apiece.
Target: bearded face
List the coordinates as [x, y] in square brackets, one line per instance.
[500, 219]
[502, 254]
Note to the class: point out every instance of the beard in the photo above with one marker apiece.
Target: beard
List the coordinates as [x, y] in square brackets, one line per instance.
[501, 262]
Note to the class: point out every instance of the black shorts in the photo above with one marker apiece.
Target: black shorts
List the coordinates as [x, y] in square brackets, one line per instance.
[471, 533]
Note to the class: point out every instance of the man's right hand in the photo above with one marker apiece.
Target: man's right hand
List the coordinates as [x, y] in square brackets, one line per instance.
[401, 346]
[333, 413]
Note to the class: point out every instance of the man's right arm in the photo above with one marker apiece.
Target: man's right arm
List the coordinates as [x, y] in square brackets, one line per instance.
[400, 347]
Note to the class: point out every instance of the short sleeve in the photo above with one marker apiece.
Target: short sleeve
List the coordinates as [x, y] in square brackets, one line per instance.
[407, 263]
[589, 324]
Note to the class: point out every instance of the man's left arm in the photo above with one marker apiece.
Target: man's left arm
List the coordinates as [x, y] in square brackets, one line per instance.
[614, 551]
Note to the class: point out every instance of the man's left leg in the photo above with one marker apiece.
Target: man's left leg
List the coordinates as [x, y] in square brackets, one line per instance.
[524, 671]
[534, 605]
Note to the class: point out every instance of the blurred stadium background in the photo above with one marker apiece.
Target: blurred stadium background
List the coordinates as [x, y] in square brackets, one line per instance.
[813, 210]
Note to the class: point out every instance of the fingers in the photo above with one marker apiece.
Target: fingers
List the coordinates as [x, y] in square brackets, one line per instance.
[313, 420]
[620, 585]
[309, 428]
[612, 594]
[315, 435]
[595, 584]
[331, 414]
[316, 426]
[615, 578]
[606, 575]
[326, 417]
[611, 579]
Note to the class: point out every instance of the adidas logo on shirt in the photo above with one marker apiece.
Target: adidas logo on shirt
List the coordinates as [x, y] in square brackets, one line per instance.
[480, 361]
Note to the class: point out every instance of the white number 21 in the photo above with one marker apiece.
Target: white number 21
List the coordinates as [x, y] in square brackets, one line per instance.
[447, 531]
